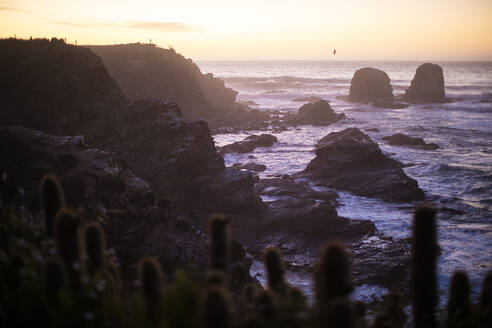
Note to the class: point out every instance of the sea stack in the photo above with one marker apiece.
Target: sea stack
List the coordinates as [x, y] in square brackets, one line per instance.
[371, 85]
[427, 85]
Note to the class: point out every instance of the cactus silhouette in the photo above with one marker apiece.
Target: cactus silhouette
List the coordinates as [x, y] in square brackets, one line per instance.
[393, 314]
[459, 301]
[152, 284]
[52, 200]
[424, 255]
[93, 246]
[275, 271]
[55, 278]
[486, 301]
[67, 244]
[332, 275]
[265, 305]
[215, 308]
[218, 243]
[216, 278]
[339, 314]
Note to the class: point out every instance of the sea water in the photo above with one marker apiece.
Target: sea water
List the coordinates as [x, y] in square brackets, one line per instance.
[457, 176]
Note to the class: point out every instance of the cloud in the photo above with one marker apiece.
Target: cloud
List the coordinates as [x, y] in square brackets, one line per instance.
[74, 24]
[162, 26]
[143, 25]
[13, 9]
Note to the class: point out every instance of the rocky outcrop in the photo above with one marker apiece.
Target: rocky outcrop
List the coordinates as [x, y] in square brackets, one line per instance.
[255, 167]
[147, 71]
[249, 144]
[370, 84]
[101, 185]
[350, 160]
[427, 85]
[55, 87]
[65, 89]
[399, 139]
[318, 113]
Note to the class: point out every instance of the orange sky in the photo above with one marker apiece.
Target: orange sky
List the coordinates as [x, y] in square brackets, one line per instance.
[267, 29]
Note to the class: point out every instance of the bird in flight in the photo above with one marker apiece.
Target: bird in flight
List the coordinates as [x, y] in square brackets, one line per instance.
[334, 52]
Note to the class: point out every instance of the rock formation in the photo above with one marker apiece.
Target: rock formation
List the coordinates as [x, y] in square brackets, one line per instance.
[370, 84]
[350, 160]
[249, 144]
[70, 92]
[318, 113]
[399, 139]
[427, 85]
[101, 185]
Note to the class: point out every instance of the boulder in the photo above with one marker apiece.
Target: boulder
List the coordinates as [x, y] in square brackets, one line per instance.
[255, 167]
[399, 139]
[427, 85]
[370, 84]
[350, 160]
[318, 113]
[249, 144]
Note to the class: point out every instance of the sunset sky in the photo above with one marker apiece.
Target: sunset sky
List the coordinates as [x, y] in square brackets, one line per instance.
[267, 29]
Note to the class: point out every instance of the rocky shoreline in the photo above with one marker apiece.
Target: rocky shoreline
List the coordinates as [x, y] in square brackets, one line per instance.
[149, 169]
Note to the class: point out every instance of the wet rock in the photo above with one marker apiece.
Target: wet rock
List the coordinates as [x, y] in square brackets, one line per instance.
[372, 130]
[427, 85]
[249, 144]
[318, 113]
[350, 160]
[255, 167]
[399, 139]
[370, 84]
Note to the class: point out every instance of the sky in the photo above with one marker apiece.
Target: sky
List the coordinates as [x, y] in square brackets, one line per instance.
[267, 29]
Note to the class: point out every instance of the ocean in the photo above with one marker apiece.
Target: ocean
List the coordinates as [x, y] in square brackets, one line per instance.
[457, 176]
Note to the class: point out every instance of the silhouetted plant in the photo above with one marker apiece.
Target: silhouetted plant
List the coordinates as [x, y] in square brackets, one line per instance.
[275, 271]
[266, 306]
[332, 275]
[218, 242]
[55, 278]
[459, 301]
[52, 200]
[360, 314]
[215, 309]
[216, 278]
[424, 255]
[152, 284]
[486, 301]
[67, 244]
[338, 315]
[93, 246]
[393, 314]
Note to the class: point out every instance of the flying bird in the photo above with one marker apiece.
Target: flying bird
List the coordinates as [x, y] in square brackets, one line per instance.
[334, 52]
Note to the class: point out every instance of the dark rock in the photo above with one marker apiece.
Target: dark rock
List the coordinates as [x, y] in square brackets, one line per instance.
[249, 144]
[400, 139]
[319, 113]
[427, 85]
[101, 185]
[372, 130]
[147, 71]
[253, 167]
[65, 89]
[350, 160]
[56, 88]
[370, 84]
